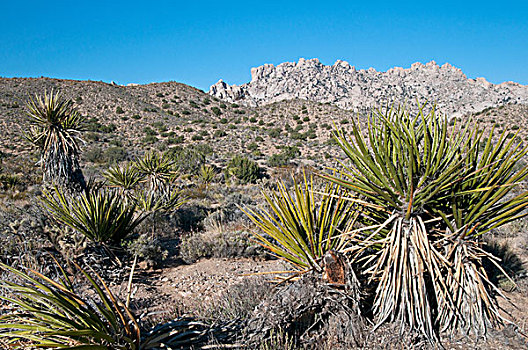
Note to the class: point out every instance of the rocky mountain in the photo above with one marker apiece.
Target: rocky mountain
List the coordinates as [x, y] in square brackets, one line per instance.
[346, 87]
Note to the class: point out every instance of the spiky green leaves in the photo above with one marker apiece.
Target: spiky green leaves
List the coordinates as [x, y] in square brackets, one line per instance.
[55, 126]
[301, 225]
[100, 215]
[53, 315]
[428, 192]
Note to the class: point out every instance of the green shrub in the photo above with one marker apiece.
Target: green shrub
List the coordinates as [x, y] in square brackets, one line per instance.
[252, 146]
[115, 154]
[175, 140]
[119, 110]
[219, 133]
[149, 139]
[274, 132]
[149, 131]
[187, 160]
[216, 111]
[284, 158]
[243, 169]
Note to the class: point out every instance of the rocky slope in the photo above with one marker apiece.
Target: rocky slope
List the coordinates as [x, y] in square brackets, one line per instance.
[343, 85]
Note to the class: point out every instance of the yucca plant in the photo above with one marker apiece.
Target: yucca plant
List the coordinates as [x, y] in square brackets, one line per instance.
[52, 315]
[99, 215]
[303, 224]
[156, 168]
[207, 174]
[55, 127]
[125, 179]
[428, 193]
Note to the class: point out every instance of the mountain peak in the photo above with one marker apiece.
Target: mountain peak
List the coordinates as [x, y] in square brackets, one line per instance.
[341, 84]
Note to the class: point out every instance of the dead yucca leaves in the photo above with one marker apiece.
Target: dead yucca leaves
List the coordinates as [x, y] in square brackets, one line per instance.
[428, 193]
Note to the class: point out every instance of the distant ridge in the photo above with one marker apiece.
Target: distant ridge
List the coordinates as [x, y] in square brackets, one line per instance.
[346, 87]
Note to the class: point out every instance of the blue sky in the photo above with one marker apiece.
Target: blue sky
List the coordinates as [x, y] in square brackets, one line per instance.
[199, 42]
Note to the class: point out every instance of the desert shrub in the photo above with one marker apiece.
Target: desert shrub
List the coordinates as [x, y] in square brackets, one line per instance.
[189, 218]
[187, 160]
[274, 132]
[94, 155]
[149, 139]
[175, 140]
[119, 110]
[216, 111]
[115, 154]
[149, 131]
[148, 248]
[219, 133]
[197, 137]
[110, 128]
[284, 157]
[136, 116]
[243, 169]
[252, 146]
[227, 244]
[186, 112]
[239, 300]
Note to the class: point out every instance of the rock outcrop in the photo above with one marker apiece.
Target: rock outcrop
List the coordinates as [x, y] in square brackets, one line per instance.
[343, 85]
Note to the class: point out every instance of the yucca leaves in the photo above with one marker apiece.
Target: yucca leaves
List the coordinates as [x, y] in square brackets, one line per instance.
[100, 215]
[52, 315]
[156, 168]
[301, 225]
[55, 130]
[428, 192]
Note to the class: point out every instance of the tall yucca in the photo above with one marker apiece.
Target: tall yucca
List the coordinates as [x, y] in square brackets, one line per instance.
[55, 126]
[430, 191]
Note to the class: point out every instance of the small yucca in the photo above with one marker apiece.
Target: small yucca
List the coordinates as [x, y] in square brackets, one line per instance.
[302, 224]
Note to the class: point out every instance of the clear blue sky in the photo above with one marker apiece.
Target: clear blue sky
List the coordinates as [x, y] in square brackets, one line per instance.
[199, 42]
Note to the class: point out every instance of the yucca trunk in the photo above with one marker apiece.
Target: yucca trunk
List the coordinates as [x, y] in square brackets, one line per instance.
[429, 191]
